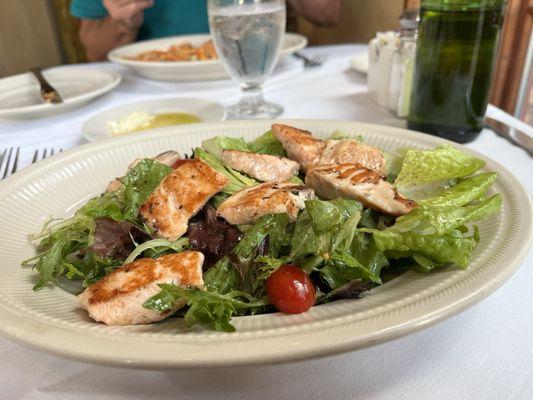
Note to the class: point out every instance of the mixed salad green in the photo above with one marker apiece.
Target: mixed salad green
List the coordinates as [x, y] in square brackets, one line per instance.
[344, 248]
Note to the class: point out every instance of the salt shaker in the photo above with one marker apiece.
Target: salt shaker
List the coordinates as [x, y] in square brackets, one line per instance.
[381, 50]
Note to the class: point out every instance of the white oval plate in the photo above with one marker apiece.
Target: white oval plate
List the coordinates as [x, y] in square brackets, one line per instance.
[20, 96]
[50, 319]
[185, 70]
[95, 128]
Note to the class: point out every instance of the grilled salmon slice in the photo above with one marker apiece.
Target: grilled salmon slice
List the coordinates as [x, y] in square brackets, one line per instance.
[263, 167]
[248, 205]
[118, 298]
[352, 151]
[180, 196]
[354, 181]
[300, 145]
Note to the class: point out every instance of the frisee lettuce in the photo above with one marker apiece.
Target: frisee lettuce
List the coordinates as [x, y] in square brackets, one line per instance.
[60, 245]
[157, 247]
[208, 308]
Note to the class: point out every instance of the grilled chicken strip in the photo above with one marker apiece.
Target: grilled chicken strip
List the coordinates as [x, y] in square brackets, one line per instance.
[300, 145]
[309, 151]
[118, 298]
[353, 181]
[351, 151]
[168, 158]
[263, 167]
[179, 196]
[250, 204]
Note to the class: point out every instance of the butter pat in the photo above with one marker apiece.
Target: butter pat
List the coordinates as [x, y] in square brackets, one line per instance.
[131, 123]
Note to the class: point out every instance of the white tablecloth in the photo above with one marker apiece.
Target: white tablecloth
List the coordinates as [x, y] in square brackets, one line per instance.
[485, 352]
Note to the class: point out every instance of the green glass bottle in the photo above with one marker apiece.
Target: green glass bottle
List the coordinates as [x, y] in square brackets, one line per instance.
[455, 54]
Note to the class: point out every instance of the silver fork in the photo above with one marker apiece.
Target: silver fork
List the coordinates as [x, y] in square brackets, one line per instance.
[315, 60]
[8, 167]
[38, 155]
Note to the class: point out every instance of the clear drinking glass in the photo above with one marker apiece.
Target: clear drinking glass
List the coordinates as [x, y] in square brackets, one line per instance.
[248, 36]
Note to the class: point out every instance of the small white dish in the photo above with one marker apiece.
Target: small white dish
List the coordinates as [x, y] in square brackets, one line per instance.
[20, 97]
[360, 63]
[96, 127]
[185, 70]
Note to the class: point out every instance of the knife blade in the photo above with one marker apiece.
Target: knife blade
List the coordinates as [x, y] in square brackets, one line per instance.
[512, 134]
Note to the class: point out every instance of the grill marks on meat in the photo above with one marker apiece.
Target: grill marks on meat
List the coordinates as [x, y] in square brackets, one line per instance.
[180, 196]
[248, 205]
[343, 168]
[309, 151]
[353, 181]
[352, 151]
[300, 145]
[118, 298]
[263, 167]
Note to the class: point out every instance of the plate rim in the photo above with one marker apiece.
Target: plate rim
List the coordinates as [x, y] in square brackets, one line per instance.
[114, 56]
[17, 332]
[89, 135]
[116, 79]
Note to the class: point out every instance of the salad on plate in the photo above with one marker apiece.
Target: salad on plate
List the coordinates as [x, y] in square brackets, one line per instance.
[282, 223]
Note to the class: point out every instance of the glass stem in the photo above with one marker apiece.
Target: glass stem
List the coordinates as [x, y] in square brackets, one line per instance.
[252, 96]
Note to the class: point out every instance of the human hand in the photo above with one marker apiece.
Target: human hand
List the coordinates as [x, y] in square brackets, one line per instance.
[129, 13]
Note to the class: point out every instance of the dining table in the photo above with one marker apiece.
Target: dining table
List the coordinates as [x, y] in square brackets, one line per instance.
[485, 352]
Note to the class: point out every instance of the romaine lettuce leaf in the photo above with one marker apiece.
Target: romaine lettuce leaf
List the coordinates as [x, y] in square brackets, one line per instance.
[364, 249]
[267, 144]
[463, 192]
[237, 180]
[218, 144]
[342, 268]
[451, 248]
[443, 163]
[325, 226]
[424, 220]
[324, 215]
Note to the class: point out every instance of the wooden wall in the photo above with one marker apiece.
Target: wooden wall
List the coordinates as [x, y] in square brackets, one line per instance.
[28, 36]
[516, 34]
[360, 19]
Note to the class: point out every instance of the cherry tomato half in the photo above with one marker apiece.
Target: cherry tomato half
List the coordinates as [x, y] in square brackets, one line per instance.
[290, 290]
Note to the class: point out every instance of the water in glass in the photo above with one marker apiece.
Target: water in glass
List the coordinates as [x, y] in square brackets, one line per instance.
[248, 37]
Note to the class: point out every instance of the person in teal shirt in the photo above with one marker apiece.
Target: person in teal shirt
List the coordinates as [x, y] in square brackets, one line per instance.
[106, 24]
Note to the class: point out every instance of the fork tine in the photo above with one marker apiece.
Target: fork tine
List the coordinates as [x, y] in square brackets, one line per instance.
[2, 160]
[16, 162]
[45, 154]
[51, 152]
[319, 58]
[35, 157]
[6, 165]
